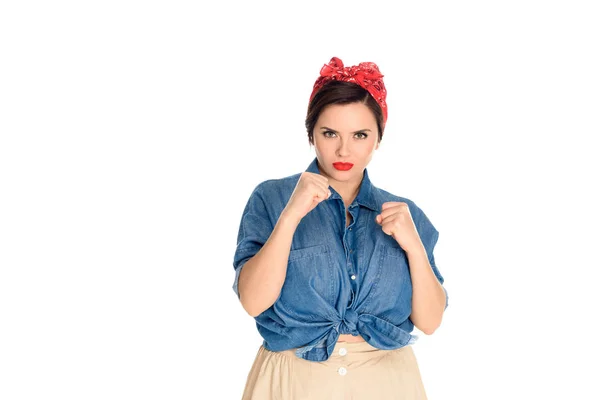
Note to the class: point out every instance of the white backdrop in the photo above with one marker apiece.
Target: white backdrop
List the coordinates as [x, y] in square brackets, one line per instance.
[132, 134]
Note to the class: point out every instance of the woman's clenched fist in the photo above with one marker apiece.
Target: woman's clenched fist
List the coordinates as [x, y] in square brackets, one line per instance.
[310, 190]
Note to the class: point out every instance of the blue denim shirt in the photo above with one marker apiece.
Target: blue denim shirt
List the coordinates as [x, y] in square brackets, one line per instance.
[340, 279]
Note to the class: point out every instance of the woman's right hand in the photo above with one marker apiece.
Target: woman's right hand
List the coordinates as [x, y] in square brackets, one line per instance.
[310, 190]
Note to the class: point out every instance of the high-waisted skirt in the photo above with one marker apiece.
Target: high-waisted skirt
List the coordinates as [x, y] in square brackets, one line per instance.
[355, 370]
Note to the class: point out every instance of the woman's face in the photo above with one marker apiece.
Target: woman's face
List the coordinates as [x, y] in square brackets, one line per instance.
[345, 133]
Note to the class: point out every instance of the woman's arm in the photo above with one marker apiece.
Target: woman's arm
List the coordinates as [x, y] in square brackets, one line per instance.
[429, 297]
[262, 277]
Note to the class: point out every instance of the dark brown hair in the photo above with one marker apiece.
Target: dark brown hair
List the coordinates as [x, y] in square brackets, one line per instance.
[339, 92]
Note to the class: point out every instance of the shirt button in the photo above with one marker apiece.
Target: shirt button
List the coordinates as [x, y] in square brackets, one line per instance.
[353, 277]
[343, 351]
[342, 371]
[350, 250]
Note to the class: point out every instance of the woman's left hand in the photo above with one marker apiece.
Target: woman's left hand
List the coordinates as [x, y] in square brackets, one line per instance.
[395, 220]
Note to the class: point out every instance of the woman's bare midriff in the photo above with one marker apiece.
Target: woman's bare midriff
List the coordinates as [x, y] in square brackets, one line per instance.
[350, 338]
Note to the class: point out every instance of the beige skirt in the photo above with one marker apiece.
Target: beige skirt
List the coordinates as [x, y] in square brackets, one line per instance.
[355, 370]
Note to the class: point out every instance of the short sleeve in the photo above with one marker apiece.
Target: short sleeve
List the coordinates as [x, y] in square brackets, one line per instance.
[429, 237]
[254, 230]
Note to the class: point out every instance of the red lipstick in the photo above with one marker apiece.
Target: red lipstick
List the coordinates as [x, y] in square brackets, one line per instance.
[341, 166]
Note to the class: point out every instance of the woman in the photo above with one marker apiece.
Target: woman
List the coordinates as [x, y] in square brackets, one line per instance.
[335, 271]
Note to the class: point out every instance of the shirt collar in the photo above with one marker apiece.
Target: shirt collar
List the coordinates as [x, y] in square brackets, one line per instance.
[365, 196]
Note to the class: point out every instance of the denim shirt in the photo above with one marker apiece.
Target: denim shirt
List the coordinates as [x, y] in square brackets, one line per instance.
[340, 279]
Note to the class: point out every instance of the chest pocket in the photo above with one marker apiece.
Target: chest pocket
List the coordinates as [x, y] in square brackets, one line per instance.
[309, 280]
[393, 273]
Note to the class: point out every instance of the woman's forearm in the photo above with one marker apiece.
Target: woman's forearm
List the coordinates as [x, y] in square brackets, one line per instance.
[429, 297]
[262, 276]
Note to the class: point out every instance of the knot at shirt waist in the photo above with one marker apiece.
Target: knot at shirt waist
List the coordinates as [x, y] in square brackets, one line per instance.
[348, 325]
[376, 331]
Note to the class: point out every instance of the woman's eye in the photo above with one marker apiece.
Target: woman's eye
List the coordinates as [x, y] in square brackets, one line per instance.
[330, 134]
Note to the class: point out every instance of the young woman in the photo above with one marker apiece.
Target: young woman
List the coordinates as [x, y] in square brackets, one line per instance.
[335, 271]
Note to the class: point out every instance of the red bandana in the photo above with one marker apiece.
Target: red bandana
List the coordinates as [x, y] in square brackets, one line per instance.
[365, 74]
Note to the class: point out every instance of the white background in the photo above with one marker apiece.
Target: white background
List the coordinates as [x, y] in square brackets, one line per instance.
[132, 134]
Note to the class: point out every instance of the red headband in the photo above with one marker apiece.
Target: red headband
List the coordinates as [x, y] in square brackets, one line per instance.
[365, 74]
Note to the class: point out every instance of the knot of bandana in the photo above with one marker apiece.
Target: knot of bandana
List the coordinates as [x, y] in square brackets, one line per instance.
[365, 74]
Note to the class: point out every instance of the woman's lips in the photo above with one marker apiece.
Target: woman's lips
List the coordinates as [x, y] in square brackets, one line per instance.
[342, 166]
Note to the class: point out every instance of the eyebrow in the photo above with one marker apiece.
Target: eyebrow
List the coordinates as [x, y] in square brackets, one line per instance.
[334, 131]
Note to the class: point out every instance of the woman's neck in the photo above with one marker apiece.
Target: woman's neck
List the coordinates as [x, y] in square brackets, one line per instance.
[347, 191]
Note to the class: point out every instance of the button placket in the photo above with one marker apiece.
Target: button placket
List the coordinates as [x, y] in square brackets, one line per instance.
[349, 243]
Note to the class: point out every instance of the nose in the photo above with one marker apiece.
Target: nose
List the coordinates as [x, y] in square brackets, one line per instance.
[342, 149]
